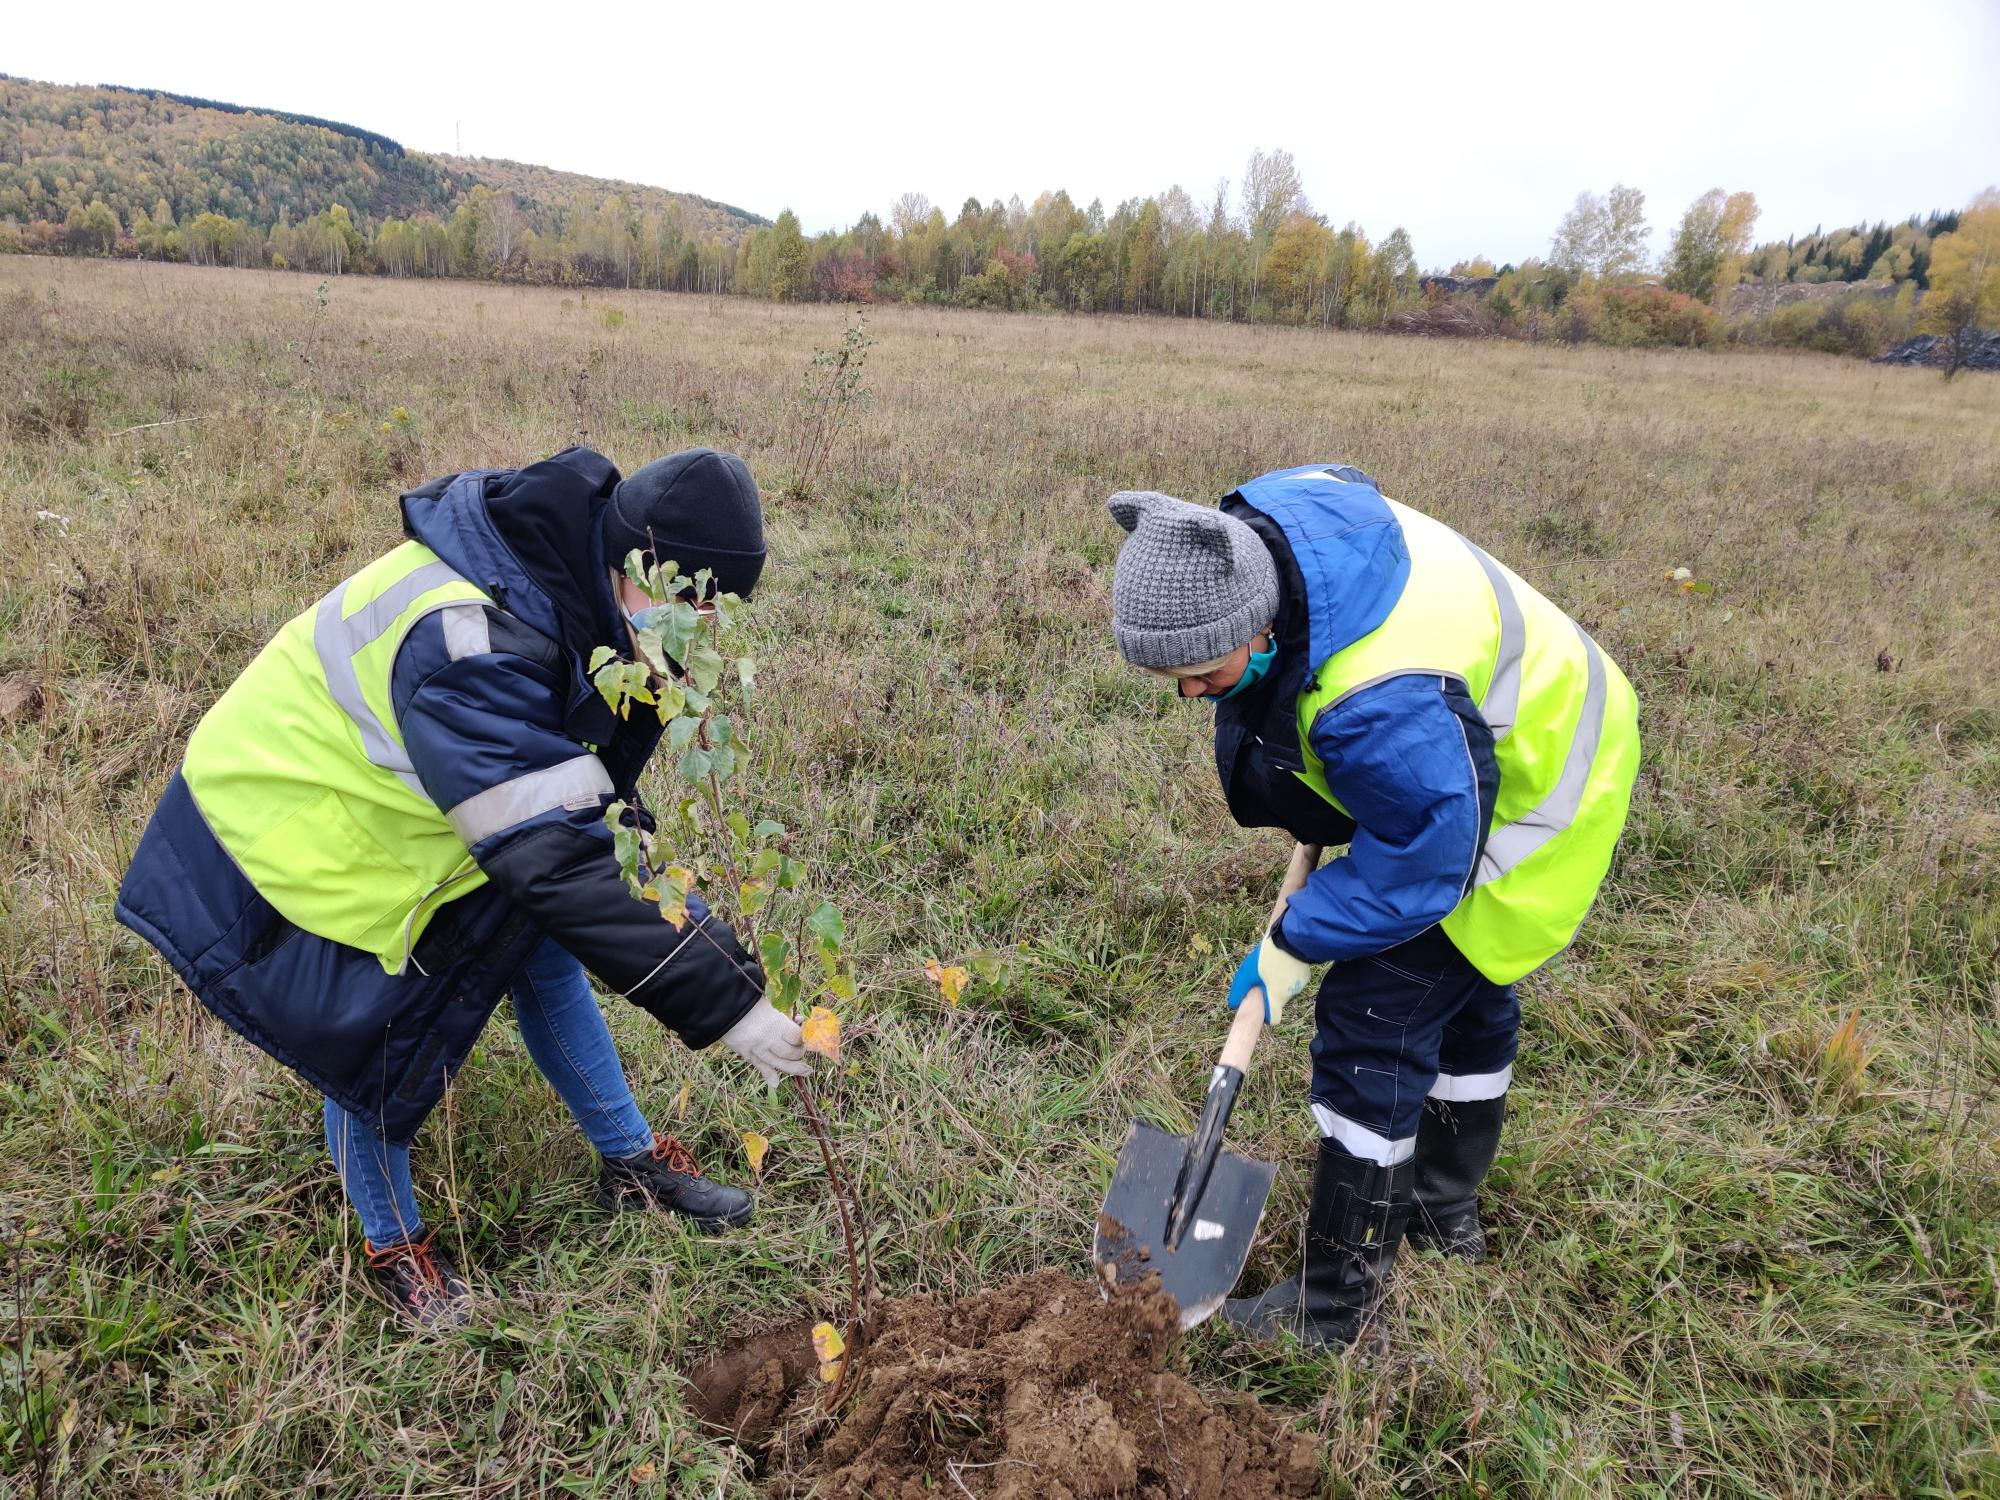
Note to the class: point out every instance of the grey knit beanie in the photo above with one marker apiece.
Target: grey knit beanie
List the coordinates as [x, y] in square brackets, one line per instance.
[1191, 583]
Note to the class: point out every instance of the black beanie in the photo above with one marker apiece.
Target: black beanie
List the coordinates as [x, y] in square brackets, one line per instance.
[698, 508]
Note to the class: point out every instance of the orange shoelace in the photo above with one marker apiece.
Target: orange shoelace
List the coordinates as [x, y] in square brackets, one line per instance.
[669, 1150]
[422, 1258]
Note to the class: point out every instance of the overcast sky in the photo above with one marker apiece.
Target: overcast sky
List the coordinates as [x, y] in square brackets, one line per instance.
[1472, 127]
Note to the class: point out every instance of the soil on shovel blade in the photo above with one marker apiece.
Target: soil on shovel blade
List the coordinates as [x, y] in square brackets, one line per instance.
[1036, 1389]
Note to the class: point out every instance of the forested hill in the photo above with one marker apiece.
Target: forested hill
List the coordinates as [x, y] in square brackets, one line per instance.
[532, 184]
[64, 149]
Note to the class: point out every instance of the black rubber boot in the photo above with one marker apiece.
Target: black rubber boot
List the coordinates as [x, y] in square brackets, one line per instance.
[666, 1178]
[1455, 1147]
[1358, 1214]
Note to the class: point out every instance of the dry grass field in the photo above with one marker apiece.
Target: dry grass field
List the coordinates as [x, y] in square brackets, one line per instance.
[1741, 1249]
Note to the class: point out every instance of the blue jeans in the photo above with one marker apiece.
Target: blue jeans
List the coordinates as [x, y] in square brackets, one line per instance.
[1413, 1022]
[567, 1037]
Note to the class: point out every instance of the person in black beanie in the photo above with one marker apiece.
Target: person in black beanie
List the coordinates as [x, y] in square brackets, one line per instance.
[396, 814]
[698, 508]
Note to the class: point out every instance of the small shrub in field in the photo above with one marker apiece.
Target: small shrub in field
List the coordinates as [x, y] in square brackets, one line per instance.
[1862, 326]
[611, 317]
[693, 416]
[59, 405]
[1568, 535]
[830, 398]
[1639, 317]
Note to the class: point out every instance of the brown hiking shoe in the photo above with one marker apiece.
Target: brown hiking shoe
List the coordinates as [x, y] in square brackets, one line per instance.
[422, 1286]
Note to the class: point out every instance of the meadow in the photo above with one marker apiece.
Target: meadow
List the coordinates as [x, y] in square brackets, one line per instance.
[1746, 1216]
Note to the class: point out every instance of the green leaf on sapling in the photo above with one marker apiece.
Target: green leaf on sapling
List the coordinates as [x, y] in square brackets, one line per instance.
[609, 681]
[824, 924]
[704, 665]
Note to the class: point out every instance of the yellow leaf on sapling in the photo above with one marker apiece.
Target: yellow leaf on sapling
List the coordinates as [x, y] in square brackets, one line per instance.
[821, 1033]
[755, 1146]
[831, 1349]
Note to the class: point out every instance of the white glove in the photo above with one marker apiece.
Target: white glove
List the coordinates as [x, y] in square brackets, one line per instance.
[768, 1040]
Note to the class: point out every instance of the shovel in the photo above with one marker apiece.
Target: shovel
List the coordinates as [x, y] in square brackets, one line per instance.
[1185, 1207]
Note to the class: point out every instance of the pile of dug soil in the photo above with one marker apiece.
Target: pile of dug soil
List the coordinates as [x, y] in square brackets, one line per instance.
[1037, 1389]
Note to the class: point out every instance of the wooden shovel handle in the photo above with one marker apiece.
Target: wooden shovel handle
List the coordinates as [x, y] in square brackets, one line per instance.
[1250, 1018]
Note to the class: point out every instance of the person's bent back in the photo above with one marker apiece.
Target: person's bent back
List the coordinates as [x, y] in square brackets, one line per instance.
[396, 814]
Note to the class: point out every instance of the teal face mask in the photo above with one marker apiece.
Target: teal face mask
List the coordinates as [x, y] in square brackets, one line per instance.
[1253, 673]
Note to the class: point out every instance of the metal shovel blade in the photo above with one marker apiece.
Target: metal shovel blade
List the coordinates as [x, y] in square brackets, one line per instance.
[1132, 1226]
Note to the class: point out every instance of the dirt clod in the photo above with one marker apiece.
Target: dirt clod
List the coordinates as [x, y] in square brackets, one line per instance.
[1038, 1387]
[20, 698]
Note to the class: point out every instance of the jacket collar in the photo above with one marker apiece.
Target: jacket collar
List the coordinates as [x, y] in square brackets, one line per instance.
[531, 538]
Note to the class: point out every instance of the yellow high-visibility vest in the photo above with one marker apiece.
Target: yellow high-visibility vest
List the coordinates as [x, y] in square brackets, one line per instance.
[1565, 728]
[301, 773]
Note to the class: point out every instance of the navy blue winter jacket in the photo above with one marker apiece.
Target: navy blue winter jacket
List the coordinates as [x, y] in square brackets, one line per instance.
[1410, 758]
[485, 705]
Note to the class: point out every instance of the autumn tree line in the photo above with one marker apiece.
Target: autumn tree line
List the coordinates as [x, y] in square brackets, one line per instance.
[162, 177]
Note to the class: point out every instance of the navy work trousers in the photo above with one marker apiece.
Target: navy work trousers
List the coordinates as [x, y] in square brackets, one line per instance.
[1413, 1022]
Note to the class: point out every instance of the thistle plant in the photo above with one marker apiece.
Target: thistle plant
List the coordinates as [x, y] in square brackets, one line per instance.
[688, 670]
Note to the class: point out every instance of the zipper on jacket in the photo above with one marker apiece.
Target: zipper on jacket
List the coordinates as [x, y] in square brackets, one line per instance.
[410, 922]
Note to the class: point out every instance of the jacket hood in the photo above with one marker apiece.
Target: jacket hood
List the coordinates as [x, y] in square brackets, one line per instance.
[1347, 545]
[532, 538]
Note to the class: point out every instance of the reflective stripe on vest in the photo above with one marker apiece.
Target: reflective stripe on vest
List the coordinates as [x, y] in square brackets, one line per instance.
[1509, 844]
[1503, 695]
[338, 639]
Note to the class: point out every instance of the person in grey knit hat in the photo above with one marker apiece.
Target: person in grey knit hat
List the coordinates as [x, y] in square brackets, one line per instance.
[1379, 682]
[1193, 587]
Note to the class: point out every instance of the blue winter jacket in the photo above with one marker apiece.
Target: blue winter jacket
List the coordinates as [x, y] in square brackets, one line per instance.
[484, 705]
[1410, 758]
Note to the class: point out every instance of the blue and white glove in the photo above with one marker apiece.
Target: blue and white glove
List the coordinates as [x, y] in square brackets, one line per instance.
[1268, 968]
